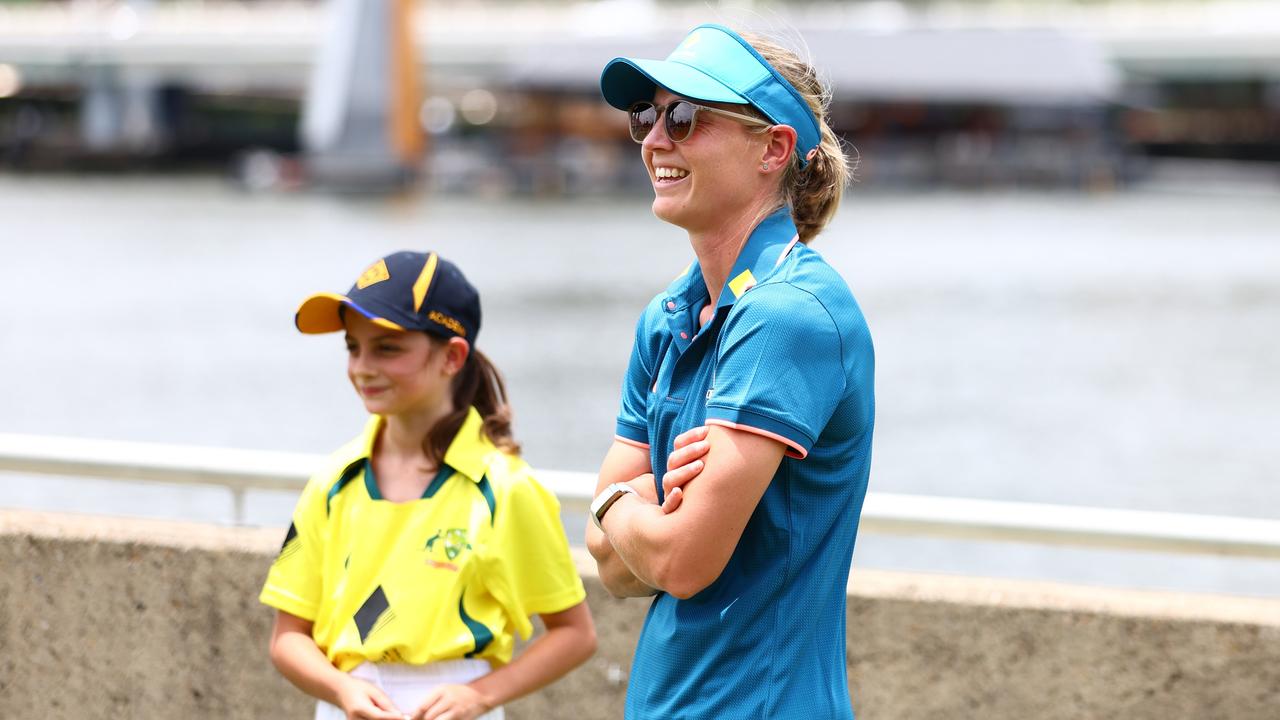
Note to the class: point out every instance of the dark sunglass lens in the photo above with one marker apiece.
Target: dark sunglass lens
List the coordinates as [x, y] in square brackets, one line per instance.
[643, 116]
[680, 117]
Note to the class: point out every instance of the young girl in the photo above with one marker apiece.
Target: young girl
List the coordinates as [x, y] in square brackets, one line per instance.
[424, 544]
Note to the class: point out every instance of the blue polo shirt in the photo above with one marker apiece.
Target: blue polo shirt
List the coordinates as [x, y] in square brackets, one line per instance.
[787, 355]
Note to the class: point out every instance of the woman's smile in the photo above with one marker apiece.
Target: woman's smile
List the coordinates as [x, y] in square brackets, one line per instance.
[666, 175]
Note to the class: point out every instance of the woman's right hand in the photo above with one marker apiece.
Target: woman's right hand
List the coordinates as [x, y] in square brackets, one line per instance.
[683, 464]
[361, 700]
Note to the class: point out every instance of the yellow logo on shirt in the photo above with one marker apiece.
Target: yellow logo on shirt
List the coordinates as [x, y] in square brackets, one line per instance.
[744, 282]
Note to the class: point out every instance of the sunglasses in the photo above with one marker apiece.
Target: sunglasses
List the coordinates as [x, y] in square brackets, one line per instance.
[679, 119]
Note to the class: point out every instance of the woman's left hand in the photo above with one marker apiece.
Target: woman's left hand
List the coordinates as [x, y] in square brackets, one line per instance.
[452, 702]
[683, 464]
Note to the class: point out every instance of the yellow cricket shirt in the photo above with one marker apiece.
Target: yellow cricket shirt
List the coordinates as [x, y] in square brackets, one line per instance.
[454, 574]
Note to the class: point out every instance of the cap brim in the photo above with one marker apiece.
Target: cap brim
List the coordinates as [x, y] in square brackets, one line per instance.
[629, 80]
[321, 313]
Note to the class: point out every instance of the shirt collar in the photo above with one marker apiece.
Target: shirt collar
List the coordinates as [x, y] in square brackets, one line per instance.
[468, 454]
[762, 253]
[471, 449]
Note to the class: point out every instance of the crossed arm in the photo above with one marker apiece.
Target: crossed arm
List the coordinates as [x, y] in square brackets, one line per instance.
[681, 546]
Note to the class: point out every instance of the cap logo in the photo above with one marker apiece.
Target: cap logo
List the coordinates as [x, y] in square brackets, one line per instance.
[685, 49]
[438, 317]
[376, 273]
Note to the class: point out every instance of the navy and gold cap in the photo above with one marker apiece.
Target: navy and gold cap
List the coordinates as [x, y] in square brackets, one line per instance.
[402, 291]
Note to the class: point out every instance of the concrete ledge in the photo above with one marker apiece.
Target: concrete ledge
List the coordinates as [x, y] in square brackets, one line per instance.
[112, 618]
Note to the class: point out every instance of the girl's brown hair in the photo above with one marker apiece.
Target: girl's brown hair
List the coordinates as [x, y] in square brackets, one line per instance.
[479, 385]
[813, 193]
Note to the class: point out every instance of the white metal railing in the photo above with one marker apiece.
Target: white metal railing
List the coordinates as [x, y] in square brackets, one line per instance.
[243, 470]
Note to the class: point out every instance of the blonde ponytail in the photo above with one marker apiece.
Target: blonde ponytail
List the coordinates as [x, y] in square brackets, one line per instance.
[813, 193]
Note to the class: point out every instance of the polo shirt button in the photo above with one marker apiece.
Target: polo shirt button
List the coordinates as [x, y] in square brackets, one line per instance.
[684, 336]
[671, 305]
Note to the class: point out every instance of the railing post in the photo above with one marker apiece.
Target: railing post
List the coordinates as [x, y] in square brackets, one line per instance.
[237, 505]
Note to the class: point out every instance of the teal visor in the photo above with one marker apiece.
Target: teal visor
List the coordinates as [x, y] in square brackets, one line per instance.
[714, 64]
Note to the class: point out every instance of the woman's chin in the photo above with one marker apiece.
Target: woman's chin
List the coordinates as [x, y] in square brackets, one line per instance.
[670, 211]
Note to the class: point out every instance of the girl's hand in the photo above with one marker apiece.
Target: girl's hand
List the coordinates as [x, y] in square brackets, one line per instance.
[364, 701]
[683, 464]
[453, 702]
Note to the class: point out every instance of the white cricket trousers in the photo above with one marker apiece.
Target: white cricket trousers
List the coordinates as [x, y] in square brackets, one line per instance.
[408, 685]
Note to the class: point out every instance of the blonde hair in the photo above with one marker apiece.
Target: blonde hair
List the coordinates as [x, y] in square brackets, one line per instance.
[813, 193]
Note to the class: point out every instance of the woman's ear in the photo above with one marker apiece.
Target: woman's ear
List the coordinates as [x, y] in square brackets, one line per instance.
[456, 352]
[780, 143]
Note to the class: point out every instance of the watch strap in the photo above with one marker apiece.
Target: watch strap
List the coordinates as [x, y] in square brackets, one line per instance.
[605, 500]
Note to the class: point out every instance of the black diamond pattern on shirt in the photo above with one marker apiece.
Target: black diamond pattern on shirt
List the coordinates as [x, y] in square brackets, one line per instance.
[369, 613]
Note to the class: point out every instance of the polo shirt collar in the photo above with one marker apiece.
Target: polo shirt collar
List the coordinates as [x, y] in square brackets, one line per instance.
[761, 254]
[471, 449]
[468, 454]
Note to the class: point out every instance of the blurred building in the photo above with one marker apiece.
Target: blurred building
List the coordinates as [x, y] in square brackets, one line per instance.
[1059, 94]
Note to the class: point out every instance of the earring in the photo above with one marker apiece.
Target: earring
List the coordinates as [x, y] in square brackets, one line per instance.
[764, 166]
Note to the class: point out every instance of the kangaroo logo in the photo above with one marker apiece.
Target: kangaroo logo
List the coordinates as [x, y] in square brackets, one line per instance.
[455, 541]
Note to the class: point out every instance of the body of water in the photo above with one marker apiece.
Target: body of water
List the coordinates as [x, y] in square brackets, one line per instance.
[1118, 350]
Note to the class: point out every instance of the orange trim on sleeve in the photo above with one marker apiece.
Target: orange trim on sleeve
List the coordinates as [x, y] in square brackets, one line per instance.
[629, 441]
[793, 449]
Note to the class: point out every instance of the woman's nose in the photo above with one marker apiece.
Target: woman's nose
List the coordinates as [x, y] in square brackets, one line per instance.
[657, 137]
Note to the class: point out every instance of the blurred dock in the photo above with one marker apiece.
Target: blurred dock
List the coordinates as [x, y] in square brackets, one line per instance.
[1056, 93]
[271, 45]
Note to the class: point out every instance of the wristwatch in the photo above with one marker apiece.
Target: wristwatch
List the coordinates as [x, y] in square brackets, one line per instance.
[605, 500]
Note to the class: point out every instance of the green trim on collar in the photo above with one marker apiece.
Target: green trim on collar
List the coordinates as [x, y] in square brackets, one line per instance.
[443, 474]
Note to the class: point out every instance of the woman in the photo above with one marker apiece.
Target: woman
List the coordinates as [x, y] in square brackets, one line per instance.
[425, 545]
[750, 383]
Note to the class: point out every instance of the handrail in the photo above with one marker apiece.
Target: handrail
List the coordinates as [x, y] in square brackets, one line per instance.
[961, 518]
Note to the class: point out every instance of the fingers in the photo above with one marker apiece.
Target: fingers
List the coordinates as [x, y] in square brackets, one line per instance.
[681, 475]
[451, 702]
[687, 454]
[691, 436]
[672, 500]
[382, 701]
[366, 701]
[432, 705]
[375, 713]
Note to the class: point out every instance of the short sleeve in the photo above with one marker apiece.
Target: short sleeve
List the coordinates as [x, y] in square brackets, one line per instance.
[294, 583]
[633, 425]
[779, 368]
[532, 570]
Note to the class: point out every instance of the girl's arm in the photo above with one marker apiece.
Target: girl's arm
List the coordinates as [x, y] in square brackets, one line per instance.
[296, 656]
[569, 640]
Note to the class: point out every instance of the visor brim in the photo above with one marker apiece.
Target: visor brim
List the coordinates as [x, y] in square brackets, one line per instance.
[630, 80]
